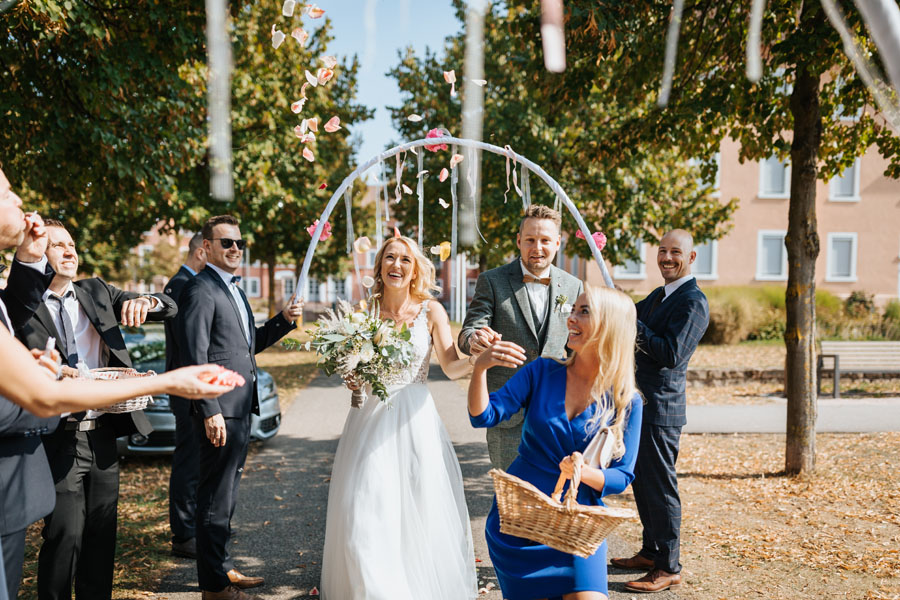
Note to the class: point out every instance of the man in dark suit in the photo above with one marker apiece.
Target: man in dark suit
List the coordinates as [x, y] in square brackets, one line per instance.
[185, 473]
[671, 321]
[80, 534]
[216, 325]
[522, 302]
[26, 489]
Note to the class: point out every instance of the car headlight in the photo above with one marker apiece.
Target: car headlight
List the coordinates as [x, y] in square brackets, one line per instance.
[160, 404]
[265, 387]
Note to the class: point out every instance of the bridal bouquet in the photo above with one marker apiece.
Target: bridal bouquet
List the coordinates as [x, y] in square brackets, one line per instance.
[358, 345]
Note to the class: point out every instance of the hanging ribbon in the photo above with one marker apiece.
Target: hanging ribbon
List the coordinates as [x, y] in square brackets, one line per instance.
[398, 192]
[526, 185]
[420, 191]
[454, 179]
[379, 230]
[351, 236]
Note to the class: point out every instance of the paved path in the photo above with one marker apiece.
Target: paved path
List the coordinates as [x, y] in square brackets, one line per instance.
[280, 519]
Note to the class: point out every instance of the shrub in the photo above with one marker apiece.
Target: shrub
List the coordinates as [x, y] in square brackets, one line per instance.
[731, 317]
[772, 295]
[859, 304]
[892, 311]
[770, 327]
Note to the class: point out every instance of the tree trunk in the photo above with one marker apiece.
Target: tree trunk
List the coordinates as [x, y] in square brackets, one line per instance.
[802, 243]
[270, 266]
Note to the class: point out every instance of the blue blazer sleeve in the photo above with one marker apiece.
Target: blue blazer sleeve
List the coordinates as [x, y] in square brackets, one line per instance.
[620, 472]
[509, 399]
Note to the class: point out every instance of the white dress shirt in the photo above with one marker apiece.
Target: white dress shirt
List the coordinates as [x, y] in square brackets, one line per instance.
[238, 298]
[538, 293]
[41, 266]
[671, 287]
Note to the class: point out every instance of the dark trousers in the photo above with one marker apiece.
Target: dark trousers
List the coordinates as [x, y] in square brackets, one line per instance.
[655, 488]
[80, 534]
[220, 475]
[13, 556]
[185, 473]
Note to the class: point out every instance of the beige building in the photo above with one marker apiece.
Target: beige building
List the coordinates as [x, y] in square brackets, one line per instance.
[858, 222]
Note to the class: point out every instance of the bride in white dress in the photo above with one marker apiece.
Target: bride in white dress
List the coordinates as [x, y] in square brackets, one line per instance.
[397, 525]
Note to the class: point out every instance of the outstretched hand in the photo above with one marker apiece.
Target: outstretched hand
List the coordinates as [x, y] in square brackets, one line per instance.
[192, 382]
[501, 354]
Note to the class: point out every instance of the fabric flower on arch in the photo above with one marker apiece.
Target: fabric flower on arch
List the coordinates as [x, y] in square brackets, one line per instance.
[599, 238]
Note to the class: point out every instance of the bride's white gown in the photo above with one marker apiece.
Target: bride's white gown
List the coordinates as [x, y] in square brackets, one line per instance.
[397, 526]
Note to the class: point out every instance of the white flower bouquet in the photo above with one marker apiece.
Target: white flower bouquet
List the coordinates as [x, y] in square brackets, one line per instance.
[359, 346]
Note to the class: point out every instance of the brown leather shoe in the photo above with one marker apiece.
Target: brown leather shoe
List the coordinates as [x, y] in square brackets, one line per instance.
[656, 580]
[229, 593]
[638, 562]
[242, 581]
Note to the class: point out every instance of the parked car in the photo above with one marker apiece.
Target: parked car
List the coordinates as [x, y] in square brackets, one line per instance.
[147, 346]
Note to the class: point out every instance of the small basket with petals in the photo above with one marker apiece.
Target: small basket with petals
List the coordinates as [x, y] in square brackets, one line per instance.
[126, 406]
[527, 512]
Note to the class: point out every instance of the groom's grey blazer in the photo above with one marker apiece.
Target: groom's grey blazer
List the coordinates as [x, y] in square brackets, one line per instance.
[501, 302]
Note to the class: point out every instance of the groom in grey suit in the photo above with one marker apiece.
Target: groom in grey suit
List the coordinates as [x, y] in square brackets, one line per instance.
[521, 302]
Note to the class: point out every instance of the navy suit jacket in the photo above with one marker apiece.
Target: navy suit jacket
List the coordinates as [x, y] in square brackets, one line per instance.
[209, 330]
[174, 289]
[26, 487]
[668, 334]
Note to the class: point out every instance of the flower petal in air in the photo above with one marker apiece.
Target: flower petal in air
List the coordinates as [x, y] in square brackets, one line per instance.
[326, 230]
[450, 76]
[367, 281]
[277, 37]
[479, 82]
[435, 250]
[330, 62]
[323, 185]
[443, 203]
[308, 155]
[300, 35]
[397, 232]
[314, 11]
[436, 133]
[333, 124]
[304, 126]
[580, 235]
[445, 250]
[324, 75]
[455, 160]
[422, 173]
[313, 124]
[297, 106]
[287, 9]
[414, 118]
[308, 137]
[444, 175]
[406, 189]
[303, 89]
[313, 81]
[362, 245]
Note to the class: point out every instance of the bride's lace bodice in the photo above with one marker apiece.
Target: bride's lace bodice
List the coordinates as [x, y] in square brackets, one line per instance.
[420, 338]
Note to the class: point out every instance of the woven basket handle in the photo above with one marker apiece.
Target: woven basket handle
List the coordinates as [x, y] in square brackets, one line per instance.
[572, 494]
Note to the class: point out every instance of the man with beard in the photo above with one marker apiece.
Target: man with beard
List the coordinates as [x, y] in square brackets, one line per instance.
[523, 302]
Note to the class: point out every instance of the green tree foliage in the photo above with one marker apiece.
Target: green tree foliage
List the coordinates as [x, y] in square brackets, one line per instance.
[98, 124]
[628, 191]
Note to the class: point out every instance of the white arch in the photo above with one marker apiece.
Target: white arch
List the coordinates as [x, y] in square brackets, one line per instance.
[554, 186]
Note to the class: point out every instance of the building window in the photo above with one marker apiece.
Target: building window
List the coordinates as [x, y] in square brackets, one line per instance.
[771, 256]
[370, 259]
[845, 187]
[841, 261]
[338, 289]
[633, 269]
[705, 264]
[774, 178]
[315, 294]
[250, 285]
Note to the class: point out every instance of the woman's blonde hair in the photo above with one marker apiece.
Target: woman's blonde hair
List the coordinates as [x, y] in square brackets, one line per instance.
[422, 284]
[611, 340]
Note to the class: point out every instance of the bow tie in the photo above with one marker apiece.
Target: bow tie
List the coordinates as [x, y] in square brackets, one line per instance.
[532, 279]
[236, 279]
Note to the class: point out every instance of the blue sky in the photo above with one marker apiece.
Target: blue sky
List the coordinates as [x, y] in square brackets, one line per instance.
[375, 30]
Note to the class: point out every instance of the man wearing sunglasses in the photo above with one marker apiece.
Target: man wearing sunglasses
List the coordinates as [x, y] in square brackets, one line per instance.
[216, 325]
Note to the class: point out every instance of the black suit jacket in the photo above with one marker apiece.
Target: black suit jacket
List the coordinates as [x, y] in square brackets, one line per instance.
[668, 334]
[102, 303]
[26, 488]
[174, 289]
[210, 331]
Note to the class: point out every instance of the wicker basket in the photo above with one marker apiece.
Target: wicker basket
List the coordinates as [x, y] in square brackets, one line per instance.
[527, 512]
[126, 406]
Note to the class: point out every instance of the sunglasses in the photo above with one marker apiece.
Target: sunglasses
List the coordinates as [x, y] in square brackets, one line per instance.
[227, 243]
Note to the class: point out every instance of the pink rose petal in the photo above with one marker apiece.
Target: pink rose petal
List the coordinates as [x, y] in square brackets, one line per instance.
[300, 35]
[456, 159]
[308, 137]
[314, 11]
[324, 75]
[323, 185]
[298, 131]
[330, 62]
[362, 245]
[297, 106]
[450, 77]
[313, 124]
[333, 124]
[312, 79]
[444, 175]
[308, 155]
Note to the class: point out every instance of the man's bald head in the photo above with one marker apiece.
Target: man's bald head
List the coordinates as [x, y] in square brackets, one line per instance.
[676, 254]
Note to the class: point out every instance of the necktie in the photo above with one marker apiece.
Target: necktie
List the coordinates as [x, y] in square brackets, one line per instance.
[656, 303]
[532, 279]
[68, 332]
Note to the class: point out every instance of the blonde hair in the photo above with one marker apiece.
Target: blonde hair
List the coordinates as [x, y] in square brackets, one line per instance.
[611, 340]
[422, 284]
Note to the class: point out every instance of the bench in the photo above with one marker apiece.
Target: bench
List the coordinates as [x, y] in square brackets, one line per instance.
[857, 357]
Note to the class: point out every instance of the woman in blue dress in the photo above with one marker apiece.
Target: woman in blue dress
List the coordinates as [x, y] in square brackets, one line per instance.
[565, 405]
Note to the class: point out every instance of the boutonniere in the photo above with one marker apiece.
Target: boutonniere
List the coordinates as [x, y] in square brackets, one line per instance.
[562, 306]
